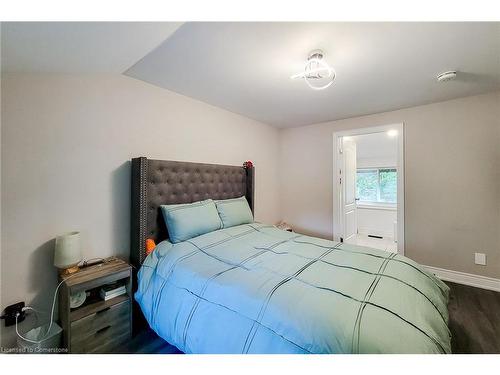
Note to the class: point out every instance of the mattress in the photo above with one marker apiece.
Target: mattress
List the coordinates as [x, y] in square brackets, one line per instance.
[256, 289]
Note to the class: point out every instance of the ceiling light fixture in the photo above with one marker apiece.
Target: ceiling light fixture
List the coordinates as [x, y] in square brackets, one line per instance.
[447, 76]
[317, 73]
[392, 133]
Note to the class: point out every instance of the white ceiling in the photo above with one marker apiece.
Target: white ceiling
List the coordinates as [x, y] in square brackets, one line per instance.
[245, 67]
[376, 147]
[79, 47]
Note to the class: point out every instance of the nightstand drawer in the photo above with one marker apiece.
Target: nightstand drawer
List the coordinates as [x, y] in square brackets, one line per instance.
[109, 326]
[102, 340]
[100, 319]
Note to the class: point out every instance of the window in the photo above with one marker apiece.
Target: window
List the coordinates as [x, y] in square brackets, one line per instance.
[377, 185]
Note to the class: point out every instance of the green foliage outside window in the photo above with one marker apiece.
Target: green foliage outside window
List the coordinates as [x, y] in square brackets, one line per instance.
[377, 185]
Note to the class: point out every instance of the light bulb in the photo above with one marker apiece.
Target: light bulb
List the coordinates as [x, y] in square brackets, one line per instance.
[392, 133]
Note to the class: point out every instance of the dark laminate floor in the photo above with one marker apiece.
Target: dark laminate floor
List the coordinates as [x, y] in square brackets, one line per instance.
[474, 324]
[148, 342]
[474, 319]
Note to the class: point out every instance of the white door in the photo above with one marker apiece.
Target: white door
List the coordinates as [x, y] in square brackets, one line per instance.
[349, 188]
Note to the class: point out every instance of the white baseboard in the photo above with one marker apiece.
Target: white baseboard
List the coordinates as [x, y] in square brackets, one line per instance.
[477, 281]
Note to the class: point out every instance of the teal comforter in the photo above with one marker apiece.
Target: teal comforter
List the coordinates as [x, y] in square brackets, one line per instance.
[257, 289]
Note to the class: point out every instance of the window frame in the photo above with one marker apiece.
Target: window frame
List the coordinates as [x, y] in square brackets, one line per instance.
[377, 204]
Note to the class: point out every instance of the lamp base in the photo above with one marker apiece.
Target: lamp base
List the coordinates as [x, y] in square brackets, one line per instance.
[68, 271]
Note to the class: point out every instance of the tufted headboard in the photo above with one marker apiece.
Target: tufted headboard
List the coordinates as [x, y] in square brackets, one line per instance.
[157, 182]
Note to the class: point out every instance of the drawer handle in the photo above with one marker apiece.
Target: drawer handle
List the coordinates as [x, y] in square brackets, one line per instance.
[103, 310]
[103, 329]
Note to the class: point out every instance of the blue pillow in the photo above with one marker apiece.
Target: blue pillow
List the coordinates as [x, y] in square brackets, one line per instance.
[234, 211]
[185, 221]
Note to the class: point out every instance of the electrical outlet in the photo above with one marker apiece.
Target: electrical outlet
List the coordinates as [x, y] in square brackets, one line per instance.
[10, 313]
[480, 258]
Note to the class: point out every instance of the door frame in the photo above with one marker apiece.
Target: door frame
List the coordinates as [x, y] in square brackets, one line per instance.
[346, 144]
[338, 211]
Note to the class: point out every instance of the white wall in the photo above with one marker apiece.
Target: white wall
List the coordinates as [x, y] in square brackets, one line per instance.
[375, 163]
[452, 180]
[66, 146]
[377, 221]
[376, 150]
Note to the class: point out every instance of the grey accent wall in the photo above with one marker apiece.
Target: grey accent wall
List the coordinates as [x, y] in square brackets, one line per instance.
[452, 169]
[66, 145]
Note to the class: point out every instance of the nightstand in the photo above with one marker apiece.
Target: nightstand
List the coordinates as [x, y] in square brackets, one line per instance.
[97, 326]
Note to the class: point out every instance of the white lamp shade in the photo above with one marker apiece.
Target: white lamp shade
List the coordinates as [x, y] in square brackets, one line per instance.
[68, 251]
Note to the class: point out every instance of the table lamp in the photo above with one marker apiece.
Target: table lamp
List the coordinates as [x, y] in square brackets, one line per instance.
[68, 253]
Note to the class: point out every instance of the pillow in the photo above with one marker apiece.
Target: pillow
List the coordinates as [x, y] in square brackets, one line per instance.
[234, 211]
[185, 221]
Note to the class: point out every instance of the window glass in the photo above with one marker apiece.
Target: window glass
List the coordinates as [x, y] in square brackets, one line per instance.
[366, 185]
[377, 185]
[388, 185]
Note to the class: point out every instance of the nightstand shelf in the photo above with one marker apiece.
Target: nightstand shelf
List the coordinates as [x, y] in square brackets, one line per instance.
[97, 326]
[101, 305]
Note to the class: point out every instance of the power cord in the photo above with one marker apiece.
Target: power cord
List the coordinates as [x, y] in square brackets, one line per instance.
[51, 314]
[85, 263]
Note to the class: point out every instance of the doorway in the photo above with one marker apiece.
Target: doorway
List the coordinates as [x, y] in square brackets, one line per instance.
[368, 187]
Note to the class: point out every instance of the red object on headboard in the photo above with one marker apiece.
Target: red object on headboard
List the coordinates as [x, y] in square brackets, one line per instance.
[150, 245]
[248, 164]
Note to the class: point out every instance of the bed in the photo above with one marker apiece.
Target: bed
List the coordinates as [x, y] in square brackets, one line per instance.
[253, 288]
